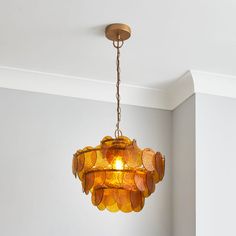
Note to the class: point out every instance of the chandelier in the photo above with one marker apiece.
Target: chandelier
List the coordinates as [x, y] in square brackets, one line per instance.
[117, 173]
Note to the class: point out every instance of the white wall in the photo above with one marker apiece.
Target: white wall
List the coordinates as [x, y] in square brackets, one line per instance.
[215, 165]
[38, 194]
[204, 164]
[183, 152]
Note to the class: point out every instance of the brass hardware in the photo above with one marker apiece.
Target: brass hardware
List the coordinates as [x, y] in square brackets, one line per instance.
[118, 32]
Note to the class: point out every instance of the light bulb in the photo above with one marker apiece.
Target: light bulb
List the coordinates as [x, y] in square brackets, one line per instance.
[118, 164]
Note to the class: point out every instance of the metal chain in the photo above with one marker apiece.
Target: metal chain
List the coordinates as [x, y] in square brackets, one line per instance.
[118, 44]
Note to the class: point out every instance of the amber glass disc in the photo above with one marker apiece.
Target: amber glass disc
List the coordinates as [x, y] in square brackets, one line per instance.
[90, 158]
[160, 165]
[156, 177]
[128, 181]
[80, 162]
[150, 182]
[113, 208]
[89, 181]
[97, 196]
[123, 200]
[74, 165]
[140, 181]
[135, 198]
[132, 156]
[109, 197]
[100, 177]
[101, 206]
[148, 158]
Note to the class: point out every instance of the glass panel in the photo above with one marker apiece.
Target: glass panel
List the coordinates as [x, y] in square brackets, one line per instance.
[109, 197]
[123, 200]
[114, 179]
[160, 165]
[148, 158]
[90, 158]
[74, 165]
[101, 162]
[156, 177]
[81, 175]
[132, 155]
[113, 208]
[150, 182]
[135, 198]
[97, 196]
[125, 139]
[80, 162]
[101, 206]
[89, 181]
[128, 181]
[113, 153]
[140, 181]
[140, 206]
[99, 180]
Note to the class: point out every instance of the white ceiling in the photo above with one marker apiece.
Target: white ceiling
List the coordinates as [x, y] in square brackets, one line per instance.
[168, 38]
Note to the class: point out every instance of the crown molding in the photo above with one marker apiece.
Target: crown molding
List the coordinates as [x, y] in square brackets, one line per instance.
[180, 90]
[190, 83]
[214, 84]
[71, 86]
[193, 82]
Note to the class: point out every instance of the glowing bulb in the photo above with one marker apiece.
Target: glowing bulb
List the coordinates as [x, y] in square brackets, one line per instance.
[118, 164]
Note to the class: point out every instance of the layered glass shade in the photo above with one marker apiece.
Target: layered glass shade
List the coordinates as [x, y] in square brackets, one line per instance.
[118, 173]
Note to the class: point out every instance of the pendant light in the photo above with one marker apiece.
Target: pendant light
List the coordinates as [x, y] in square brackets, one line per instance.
[117, 173]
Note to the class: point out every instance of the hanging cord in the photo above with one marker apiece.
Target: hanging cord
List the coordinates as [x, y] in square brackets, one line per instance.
[118, 44]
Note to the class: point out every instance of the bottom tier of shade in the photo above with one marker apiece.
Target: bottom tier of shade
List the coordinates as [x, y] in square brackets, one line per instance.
[118, 199]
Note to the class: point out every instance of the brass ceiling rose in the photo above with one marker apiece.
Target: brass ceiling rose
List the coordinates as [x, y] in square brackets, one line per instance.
[117, 32]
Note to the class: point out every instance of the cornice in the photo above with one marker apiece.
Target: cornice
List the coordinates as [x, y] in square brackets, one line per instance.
[191, 82]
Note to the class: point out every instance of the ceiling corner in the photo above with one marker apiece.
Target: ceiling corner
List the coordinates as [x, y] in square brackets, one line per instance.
[180, 90]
